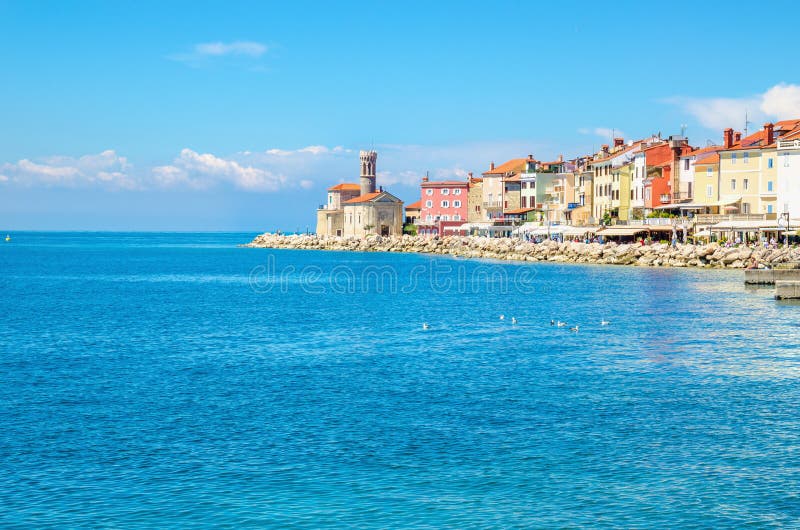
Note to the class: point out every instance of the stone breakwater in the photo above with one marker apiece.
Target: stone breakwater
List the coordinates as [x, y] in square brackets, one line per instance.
[712, 255]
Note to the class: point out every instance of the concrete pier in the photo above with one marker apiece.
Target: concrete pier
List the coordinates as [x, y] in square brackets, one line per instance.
[787, 290]
[770, 276]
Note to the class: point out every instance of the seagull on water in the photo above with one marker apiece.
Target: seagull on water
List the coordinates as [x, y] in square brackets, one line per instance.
[513, 320]
[575, 329]
[552, 322]
[604, 322]
[502, 317]
[561, 324]
[424, 325]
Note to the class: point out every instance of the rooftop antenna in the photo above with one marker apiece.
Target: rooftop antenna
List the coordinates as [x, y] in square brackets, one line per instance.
[683, 130]
[746, 123]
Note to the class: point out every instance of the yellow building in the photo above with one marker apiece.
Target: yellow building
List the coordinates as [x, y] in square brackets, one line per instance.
[624, 186]
[706, 180]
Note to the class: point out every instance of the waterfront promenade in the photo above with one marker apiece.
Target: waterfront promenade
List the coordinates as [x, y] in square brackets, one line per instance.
[710, 255]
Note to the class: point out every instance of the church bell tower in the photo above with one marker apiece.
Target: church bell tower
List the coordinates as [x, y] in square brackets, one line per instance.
[369, 161]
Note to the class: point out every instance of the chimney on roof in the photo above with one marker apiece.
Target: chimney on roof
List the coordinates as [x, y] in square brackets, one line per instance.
[425, 178]
[727, 138]
[491, 166]
[618, 142]
[560, 158]
[769, 131]
[604, 148]
[737, 137]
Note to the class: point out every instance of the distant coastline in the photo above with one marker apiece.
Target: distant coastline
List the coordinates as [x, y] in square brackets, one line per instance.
[712, 255]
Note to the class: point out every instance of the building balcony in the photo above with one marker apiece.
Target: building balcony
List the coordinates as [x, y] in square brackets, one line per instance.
[492, 204]
[710, 219]
[788, 144]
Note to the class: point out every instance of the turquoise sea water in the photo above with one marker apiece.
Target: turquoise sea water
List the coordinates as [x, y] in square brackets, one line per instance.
[174, 380]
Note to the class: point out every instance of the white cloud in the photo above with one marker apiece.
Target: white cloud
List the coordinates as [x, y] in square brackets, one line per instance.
[107, 169]
[603, 132]
[306, 184]
[781, 101]
[249, 48]
[203, 53]
[202, 171]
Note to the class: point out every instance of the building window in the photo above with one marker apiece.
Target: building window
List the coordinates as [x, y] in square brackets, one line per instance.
[745, 207]
[708, 171]
[733, 158]
[429, 218]
[785, 159]
[428, 204]
[746, 158]
[429, 192]
[524, 202]
[445, 218]
[769, 184]
[457, 191]
[445, 204]
[769, 163]
[456, 217]
[746, 184]
[456, 204]
[733, 184]
[709, 190]
[445, 191]
[686, 164]
[769, 208]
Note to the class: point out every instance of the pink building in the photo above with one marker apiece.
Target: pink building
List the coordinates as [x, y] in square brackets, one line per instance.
[444, 204]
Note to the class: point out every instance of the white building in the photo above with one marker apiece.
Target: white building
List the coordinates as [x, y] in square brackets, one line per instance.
[789, 173]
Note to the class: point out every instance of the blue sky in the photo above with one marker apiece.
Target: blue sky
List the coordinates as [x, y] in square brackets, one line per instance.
[238, 115]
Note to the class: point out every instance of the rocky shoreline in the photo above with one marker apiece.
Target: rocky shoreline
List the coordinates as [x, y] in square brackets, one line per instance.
[712, 255]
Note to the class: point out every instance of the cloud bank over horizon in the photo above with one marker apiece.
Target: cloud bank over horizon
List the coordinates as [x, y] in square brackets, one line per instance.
[268, 171]
[781, 101]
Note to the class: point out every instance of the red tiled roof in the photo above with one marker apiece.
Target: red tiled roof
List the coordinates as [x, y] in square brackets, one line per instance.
[618, 153]
[345, 186]
[701, 151]
[414, 206]
[758, 140]
[709, 160]
[515, 165]
[518, 211]
[516, 177]
[440, 183]
[363, 198]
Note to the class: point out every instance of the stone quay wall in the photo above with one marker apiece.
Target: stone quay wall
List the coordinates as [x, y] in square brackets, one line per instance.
[712, 255]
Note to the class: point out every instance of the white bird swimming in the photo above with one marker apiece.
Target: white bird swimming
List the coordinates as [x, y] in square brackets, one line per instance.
[604, 322]
[424, 325]
[575, 329]
[552, 322]
[561, 324]
[513, 320]
[502, 317]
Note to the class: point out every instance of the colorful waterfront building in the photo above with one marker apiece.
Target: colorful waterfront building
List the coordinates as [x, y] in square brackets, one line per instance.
[443, 204]
[413, 212]
[493, 188]
[475, 200]
[748, 169]
[787, 162]
[662, 160]
[361, 209]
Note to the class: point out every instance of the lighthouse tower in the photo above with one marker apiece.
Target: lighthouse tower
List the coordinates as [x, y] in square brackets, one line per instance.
[369, 161]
